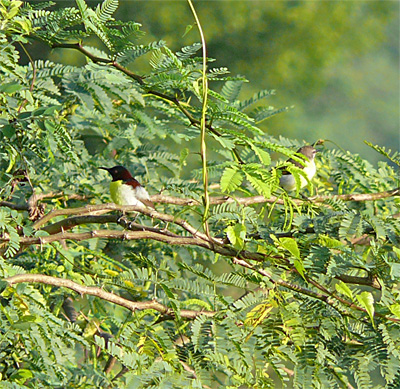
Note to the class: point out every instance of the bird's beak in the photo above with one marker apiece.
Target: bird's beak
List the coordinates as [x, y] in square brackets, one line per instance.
[103, 168]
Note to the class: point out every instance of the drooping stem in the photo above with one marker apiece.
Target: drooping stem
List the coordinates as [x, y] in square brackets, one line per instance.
[203, 128]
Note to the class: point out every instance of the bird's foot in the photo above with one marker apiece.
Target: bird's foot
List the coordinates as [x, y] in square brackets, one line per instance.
[131, 225]
[165, 229]
[122, 219]
[310, 198]
[304, 197]
[161, 227]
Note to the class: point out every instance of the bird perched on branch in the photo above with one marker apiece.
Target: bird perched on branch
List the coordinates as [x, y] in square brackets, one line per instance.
[287, 181]
[125, 190]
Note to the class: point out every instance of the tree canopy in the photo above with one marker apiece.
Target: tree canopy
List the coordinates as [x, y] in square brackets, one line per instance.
[231, 282]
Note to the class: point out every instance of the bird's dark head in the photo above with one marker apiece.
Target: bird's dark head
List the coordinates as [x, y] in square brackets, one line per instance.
[118, 173]
[308, 151]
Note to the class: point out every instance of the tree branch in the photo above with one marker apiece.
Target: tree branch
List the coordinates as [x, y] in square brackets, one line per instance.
[17, 207]
[142, 233]
[162, 199]
[35, 198]
[367, 281]
[68, 223]
[113, 234]
[95, 59]
[99, 292]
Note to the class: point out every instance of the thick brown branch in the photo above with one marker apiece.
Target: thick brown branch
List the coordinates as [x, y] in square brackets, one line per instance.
[92, 212]
[87, 210]
[140, 233]
[99, 292]
[90, 215]
[68, 223]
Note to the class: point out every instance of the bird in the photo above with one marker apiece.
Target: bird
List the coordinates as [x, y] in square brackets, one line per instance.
[125, 190]
[287, 181]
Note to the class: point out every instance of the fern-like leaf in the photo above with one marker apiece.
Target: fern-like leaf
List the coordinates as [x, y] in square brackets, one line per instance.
[105, 10]
[231, 179]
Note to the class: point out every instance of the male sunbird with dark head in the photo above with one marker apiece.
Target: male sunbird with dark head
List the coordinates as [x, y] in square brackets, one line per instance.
[125, 190]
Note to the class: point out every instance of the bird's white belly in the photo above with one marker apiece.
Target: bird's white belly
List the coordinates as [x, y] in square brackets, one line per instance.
[310, 170]
[128, 195]
[288, 182]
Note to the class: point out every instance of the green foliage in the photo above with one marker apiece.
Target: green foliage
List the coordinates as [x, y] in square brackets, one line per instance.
[395, 157]
[297, 292]
[8, 221]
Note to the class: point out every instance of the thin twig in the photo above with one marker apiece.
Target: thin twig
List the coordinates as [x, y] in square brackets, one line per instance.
[33, 77]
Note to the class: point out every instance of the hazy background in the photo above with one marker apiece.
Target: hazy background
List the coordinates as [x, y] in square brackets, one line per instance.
[335, 62]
